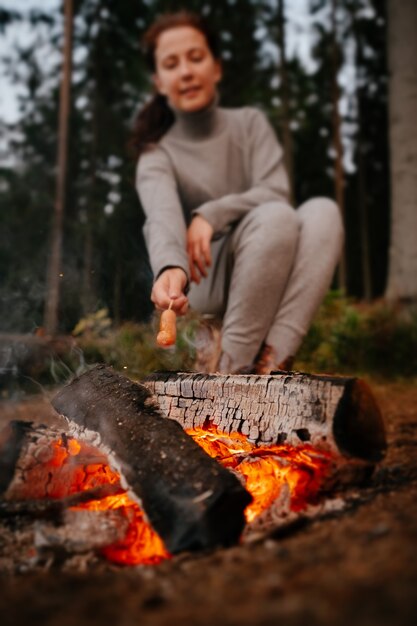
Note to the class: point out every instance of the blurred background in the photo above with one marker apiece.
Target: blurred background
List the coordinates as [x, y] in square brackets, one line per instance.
[336, 78]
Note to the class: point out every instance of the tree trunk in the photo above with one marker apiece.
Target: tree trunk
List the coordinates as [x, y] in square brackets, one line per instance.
[402, 55]
[331, 413]
[362, 167]
[363, 205]
[89, 297]
[54, 263]
[285, 98]
[339, 179]
[117, 290]
[363, 219]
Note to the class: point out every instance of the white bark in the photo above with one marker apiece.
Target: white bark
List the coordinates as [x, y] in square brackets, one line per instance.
[402, 55]
[331, 413]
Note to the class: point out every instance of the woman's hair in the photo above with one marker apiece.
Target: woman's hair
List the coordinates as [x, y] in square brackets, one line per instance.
[156, 117]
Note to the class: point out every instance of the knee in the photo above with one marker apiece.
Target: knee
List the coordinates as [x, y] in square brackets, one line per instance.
[323, 214]
[275, 221]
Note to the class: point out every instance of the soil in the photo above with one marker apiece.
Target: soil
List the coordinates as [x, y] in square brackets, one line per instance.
[355, 567]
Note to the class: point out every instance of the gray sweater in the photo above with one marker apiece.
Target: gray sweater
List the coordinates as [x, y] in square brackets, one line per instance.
[218, 163]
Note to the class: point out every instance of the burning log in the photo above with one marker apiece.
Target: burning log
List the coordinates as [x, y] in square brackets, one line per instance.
[336, 414]
[81, 532]
[43, 472]
[60, 495]
[56, 507]
[12, 438]
[190, 500]
[78, 502]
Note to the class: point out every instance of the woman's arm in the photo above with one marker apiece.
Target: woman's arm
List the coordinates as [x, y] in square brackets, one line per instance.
[165, 229]
[269, 180]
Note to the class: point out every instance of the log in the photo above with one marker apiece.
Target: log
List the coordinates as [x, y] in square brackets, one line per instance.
[191, 501]
[12, 438]
[81, 531]
[40, 483]
[55, 508]
[41, 475]
[332, 413]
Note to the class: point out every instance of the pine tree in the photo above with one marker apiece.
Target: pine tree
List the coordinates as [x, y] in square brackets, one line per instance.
[402, 282]
[55, 255]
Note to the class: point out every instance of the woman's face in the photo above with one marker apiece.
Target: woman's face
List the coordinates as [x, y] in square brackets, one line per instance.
[186, 71]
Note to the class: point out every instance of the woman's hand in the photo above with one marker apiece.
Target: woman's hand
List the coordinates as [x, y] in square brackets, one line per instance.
[169, 286]
[199, 236]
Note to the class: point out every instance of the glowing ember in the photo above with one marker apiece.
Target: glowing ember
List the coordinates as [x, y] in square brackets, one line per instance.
[141, 543]
[266, 470]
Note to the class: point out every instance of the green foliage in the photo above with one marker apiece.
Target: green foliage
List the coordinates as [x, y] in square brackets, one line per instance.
[97, 324]
[347, 337]
[132, 349]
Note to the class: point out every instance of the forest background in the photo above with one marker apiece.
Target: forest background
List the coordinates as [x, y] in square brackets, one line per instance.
[322, 76]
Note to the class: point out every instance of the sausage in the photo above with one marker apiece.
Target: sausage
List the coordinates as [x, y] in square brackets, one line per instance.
[167, 329]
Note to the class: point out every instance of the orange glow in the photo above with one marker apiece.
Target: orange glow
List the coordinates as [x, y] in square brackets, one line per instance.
[73, 447]
[141, 543]
[266, 470]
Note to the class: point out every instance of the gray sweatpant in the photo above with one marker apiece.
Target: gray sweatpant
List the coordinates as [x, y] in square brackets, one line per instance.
[269, 276]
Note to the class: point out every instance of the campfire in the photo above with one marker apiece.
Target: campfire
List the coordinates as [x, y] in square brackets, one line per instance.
[266, 472]
[159, 493]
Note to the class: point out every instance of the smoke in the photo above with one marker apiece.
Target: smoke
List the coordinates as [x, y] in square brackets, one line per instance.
[206, 342]
[21, 304]
[27, 367]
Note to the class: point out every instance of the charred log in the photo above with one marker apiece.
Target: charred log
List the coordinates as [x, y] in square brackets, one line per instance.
[12, 438]
[55, 508]
[332, 413]
[81, 531]
[190, 500]
[42, 473]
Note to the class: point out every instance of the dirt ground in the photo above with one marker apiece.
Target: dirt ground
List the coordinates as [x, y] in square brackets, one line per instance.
[358, 567]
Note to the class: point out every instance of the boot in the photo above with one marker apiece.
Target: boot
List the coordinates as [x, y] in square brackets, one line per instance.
[227, 366]
[267, 361]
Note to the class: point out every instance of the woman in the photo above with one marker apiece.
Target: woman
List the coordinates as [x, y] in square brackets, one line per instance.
[220, 232]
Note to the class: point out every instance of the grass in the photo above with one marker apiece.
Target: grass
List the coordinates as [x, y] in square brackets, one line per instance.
[357, 338]
[131, 348]
[346, 337]
[373, 341]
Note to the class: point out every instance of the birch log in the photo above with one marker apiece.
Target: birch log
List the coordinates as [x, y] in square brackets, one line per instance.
[332, 413]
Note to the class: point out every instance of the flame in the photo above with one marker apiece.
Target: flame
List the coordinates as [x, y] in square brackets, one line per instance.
[141, 543]
[265, 471]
